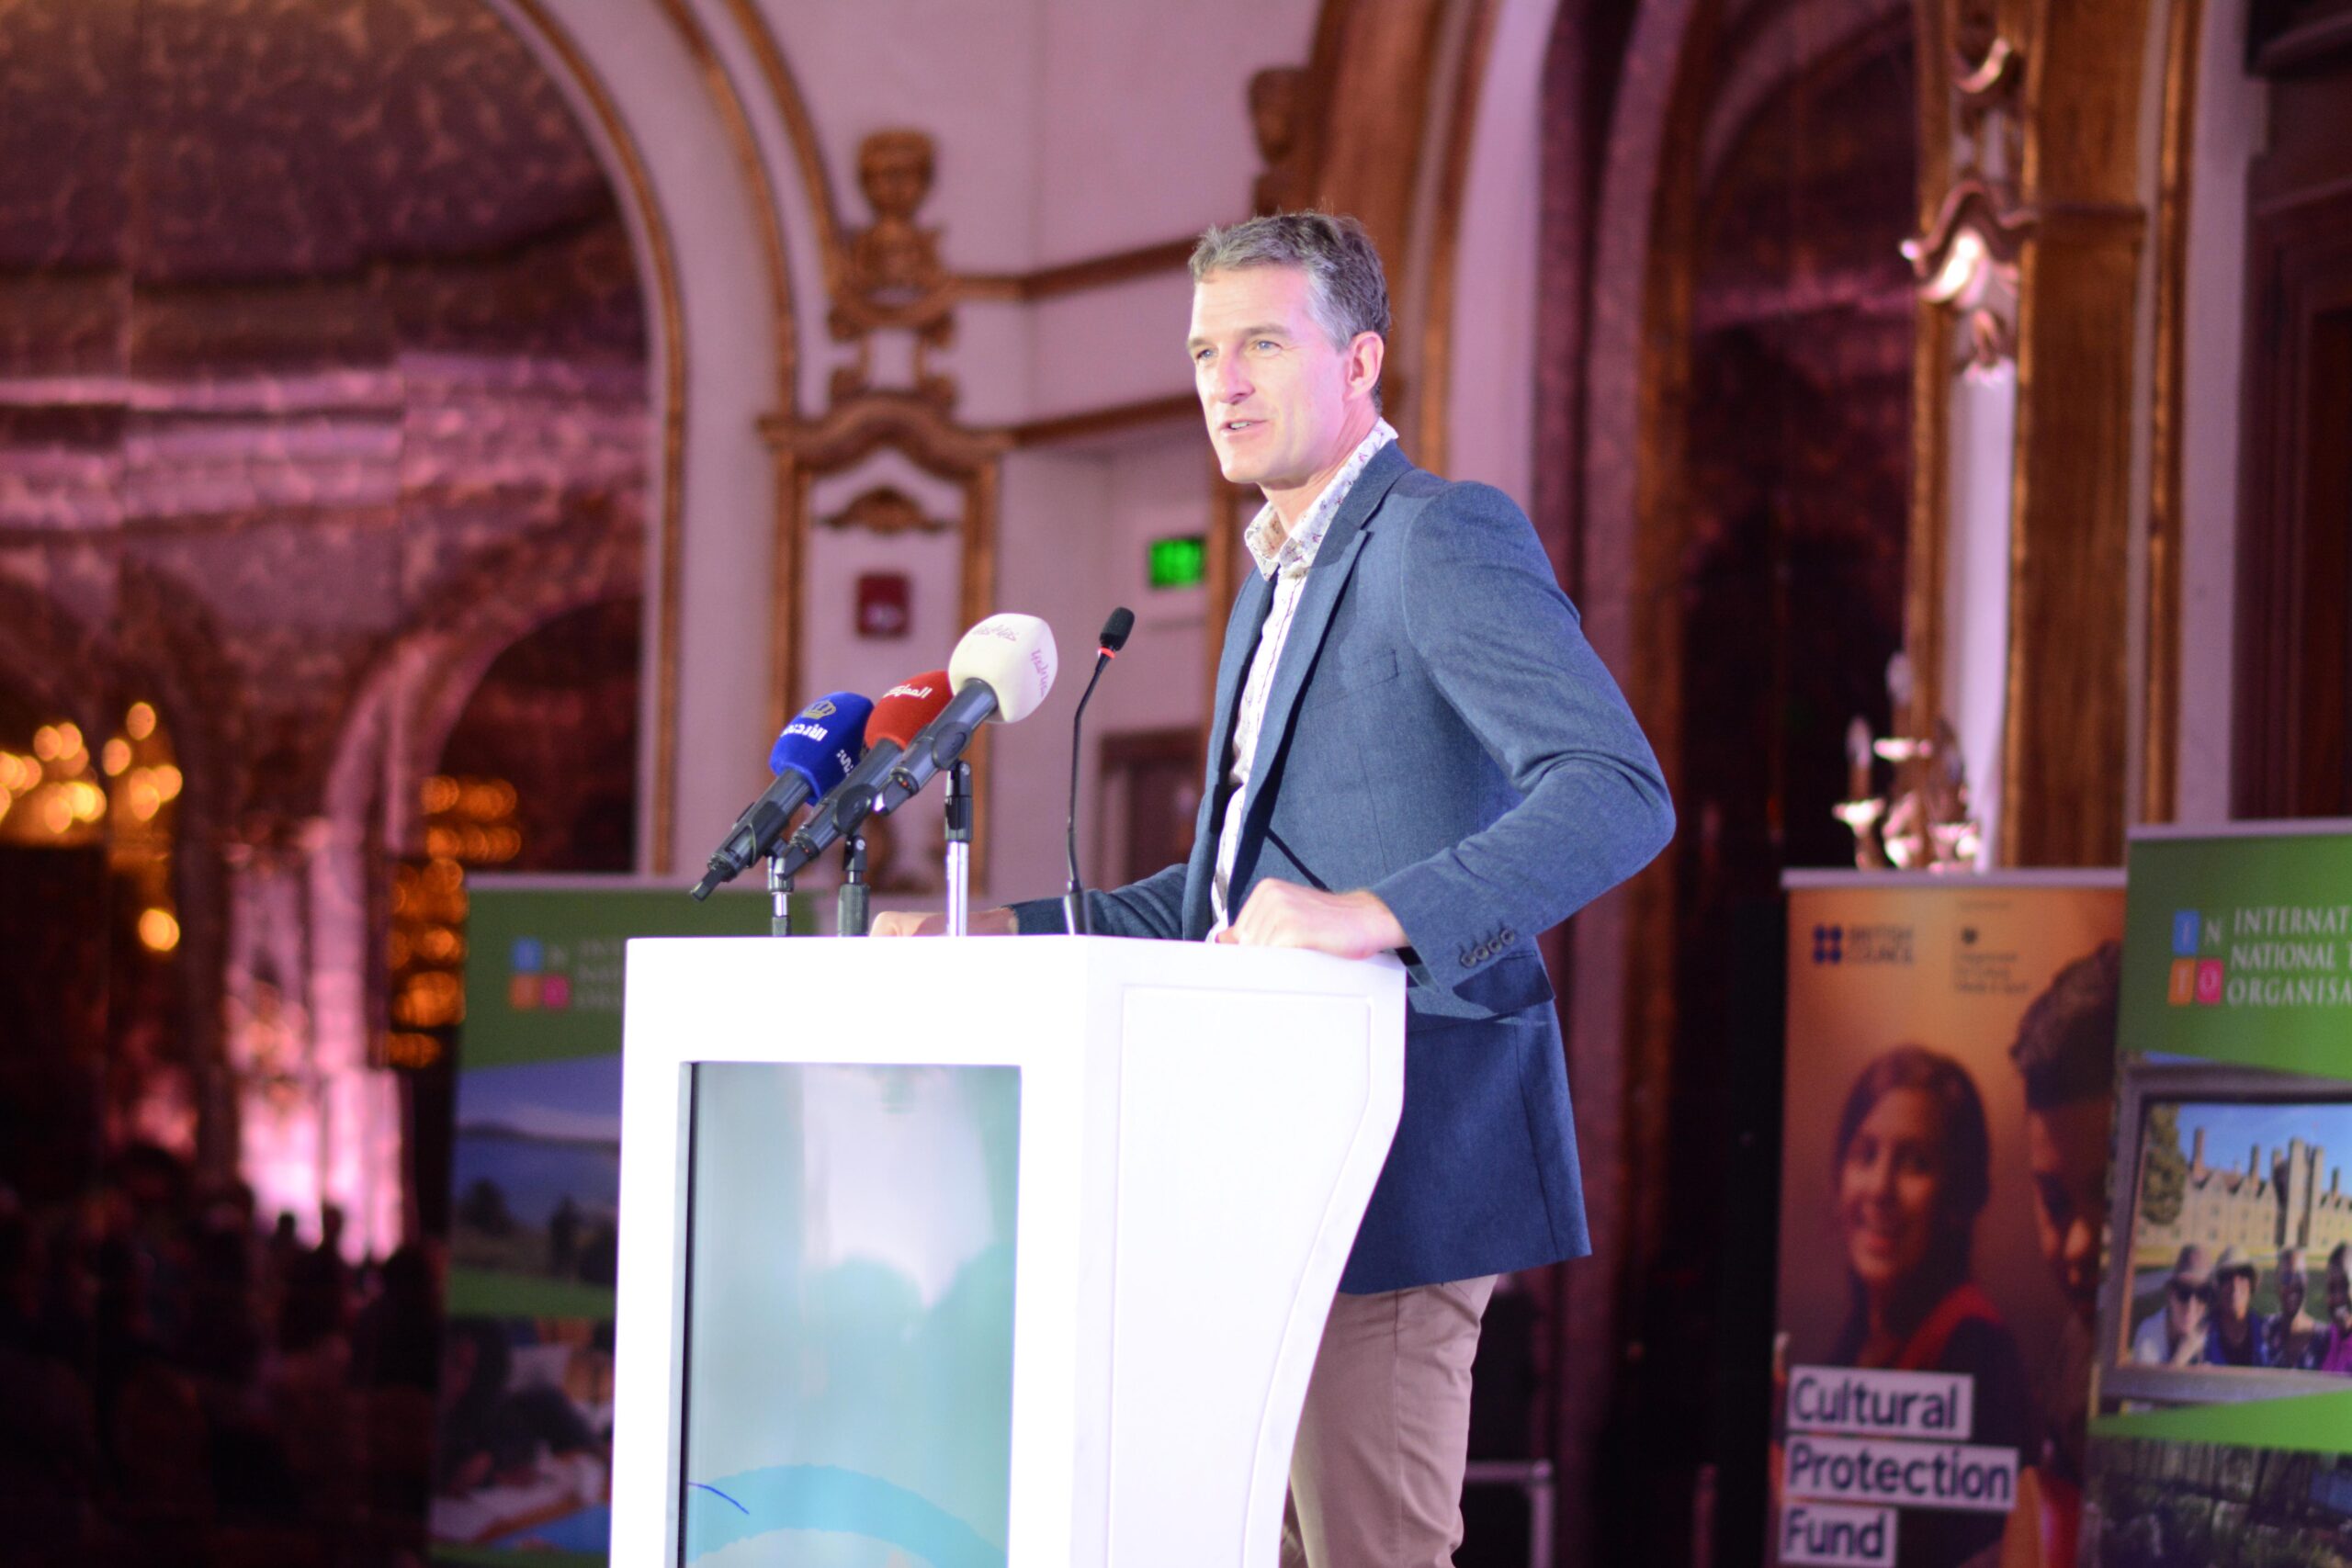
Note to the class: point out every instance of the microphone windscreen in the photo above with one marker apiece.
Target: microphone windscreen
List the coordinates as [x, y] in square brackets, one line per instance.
[1014, 654]
[823, 741]
[1115, 630]
[906, 707]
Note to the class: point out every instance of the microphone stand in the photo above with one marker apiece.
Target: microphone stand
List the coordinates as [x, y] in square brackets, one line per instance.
[851, 911]
[1074, 917]
[959, 847]
[1116, 629]
[780, 892]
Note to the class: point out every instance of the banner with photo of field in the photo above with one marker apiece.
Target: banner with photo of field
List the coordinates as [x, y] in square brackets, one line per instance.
[523, 1468]
[1948, 1090]
[2224, 1425]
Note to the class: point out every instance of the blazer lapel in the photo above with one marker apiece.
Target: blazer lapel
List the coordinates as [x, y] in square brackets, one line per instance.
[1241, 627]
[1334, 559]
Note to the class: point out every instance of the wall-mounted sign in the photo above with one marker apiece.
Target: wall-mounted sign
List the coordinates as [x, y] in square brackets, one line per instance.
[883, 599]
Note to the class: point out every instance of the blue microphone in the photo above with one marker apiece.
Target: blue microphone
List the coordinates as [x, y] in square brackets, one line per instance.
[809, 759]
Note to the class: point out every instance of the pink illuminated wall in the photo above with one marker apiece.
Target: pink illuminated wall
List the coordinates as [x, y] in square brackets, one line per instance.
[324, 381]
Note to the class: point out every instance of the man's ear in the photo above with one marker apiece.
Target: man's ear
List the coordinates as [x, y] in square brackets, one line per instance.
[1366, 355]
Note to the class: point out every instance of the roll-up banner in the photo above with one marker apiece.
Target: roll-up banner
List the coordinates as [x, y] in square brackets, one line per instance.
[2223, 1432]
[1950, 1072]
[522, 1471]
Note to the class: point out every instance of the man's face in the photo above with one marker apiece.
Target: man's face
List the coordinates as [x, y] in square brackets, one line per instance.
[2339, 1294]
[1280, 397]
[2067, 1152]
[2290, 1285]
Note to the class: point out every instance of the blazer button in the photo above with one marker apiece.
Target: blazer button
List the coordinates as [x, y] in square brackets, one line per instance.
[1467, 960]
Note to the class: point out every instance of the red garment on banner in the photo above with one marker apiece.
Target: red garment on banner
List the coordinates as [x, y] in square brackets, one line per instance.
[2054, 1506]
[2061, 1519]
[1925, 1349]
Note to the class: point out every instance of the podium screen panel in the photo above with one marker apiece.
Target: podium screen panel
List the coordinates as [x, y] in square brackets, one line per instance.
[848, 1353]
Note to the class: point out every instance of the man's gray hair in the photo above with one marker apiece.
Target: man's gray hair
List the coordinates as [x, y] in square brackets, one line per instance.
[1350, 291]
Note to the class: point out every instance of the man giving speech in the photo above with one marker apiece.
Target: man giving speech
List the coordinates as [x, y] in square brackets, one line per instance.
[1413, 750]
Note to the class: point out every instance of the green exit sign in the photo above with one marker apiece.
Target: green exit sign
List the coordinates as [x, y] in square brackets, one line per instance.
[1181, 560]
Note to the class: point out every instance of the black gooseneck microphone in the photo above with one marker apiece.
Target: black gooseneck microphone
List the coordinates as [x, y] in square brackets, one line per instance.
[1107, 645]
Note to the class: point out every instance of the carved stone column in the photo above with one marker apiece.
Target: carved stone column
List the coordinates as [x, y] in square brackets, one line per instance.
[2064, 767]
[2031, 248]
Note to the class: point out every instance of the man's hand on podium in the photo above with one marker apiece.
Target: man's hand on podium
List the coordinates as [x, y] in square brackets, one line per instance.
[1283, 914]
[911, 923]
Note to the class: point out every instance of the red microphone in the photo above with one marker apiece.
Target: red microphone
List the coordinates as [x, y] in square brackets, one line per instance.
[899, 712]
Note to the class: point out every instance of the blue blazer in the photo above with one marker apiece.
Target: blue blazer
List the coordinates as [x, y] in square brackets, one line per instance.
[1441, 733]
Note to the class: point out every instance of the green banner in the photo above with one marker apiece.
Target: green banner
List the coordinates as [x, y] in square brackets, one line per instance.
[543, 961]
[2225, 1377]
[2312, 1422]
[2239, 949]
[535, 1206]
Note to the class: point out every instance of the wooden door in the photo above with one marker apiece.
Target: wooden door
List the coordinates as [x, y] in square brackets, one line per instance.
[2293, 681]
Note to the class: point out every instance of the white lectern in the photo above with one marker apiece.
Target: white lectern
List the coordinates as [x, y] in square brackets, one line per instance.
[982, 1251]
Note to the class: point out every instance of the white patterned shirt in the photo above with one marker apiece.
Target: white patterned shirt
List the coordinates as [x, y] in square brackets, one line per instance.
[1286, 564]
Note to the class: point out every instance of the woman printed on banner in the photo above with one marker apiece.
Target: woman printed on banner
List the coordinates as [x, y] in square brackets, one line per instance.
[1912, 1169]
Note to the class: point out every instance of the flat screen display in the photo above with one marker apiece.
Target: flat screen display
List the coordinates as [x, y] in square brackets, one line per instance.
[848, 1359]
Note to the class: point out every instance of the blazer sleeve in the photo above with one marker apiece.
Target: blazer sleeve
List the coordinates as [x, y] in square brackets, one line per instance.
[1151, 908]
[1505, 649]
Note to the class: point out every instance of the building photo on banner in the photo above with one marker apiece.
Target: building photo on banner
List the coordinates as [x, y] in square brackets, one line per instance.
[523, 1462]
[1950, 1072]
[2224, 1372]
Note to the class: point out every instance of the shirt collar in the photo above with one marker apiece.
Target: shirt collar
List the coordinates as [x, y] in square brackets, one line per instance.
[1297, 553]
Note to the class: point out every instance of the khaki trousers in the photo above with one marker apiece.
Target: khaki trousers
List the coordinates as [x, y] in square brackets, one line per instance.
[1375, 1480]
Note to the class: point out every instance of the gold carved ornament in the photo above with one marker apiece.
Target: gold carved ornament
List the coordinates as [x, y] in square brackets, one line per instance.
[1968, 259]
[1277, 114]
[1923, 821]
[887, 511]
[891, 276]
